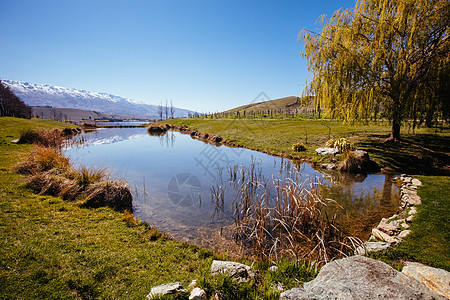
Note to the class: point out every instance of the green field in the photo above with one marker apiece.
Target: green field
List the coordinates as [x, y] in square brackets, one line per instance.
[54, 249]
[428, 148]
[51, 249]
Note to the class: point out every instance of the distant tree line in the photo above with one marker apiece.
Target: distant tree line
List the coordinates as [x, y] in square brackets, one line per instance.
[11, 105]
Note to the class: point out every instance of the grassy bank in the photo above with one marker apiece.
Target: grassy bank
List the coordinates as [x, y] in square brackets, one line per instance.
[52, 249]
[429, 148]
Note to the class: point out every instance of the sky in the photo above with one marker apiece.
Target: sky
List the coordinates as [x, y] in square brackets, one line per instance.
[203, 55]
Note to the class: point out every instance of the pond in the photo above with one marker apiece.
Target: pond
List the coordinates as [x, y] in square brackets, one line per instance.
[174, 177]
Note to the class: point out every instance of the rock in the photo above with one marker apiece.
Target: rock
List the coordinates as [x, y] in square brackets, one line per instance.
[166, 289]
[273, 269]
[16, 141]
[437, 280]
[406, 179]
[394, 224]
[233, 269]
[279, 287]
[404, 234]
[387, 228]
[326, 151]
[391, 218]
[416, 182]
[193, 284]
[197, 294]
[412, 211]
[358, 162]
[404, 225]
[328, 166]
[359, 277]
[367, 247]
[385, 220]
[411, 197]
[410, 218]
[383, 236]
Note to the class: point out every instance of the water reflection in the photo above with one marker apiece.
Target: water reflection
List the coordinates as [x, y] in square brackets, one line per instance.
[173, 178]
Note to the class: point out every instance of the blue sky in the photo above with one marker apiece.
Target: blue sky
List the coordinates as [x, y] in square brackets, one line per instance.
[203, 55]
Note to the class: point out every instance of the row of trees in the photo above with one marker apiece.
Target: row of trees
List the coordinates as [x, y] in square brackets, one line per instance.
[390, 56]
[166, 111]
[11, 105]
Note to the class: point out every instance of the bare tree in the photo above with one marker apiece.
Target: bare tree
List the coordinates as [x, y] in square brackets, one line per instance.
[166, 110]
[160, 111]
[172, 110]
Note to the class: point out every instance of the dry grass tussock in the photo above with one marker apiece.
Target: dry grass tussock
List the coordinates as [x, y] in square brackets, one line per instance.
[47, 138]
[277, 218]
[51, 173]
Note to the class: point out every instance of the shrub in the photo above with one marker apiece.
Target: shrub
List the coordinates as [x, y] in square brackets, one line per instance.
[298, 147]
[342, 144]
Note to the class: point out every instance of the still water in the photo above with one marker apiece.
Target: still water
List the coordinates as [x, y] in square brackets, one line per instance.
[172, 176]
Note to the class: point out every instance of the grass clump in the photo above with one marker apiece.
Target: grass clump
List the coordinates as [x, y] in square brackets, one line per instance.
[298, 147]
[342, 144]
[43, 159]
[47, 138]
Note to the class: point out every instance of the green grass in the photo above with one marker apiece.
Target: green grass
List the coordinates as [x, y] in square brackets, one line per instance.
[52, 249]
[429, 242]
[429, 148]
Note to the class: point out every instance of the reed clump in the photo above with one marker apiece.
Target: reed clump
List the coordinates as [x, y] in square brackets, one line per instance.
[284, 217]
[51, 173]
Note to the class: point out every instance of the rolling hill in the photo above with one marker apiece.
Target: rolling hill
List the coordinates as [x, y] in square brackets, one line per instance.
[286, 103]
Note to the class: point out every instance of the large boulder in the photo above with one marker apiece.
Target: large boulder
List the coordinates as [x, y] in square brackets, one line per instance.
[435, 279]
[358, 161]
[362, 278]
[239, 271]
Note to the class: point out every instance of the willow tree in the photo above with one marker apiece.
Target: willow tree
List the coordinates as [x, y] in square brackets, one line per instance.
[376, 55]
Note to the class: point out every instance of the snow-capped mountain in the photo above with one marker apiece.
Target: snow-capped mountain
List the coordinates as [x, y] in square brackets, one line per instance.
[55, 96]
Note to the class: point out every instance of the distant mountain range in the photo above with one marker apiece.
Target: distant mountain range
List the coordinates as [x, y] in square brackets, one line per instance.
[61, 97]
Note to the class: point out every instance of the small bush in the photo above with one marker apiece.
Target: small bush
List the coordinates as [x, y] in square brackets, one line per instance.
[298, 147]
[342, 144]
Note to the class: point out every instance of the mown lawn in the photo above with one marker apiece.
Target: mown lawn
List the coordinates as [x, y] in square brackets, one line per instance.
[51, 249]
[427, 148]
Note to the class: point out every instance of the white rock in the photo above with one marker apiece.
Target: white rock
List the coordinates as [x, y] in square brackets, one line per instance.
[326, 150]
[166, 289]
[387, 228]
[273, 269]
[383, 236]
[404, 234]
[391, 218]
[197, 294]
[416, 182]
[404, 225]
[241, 271]
[410, 218]
[367, 247]
[412, 211]
[437, 280]
[193, 284]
